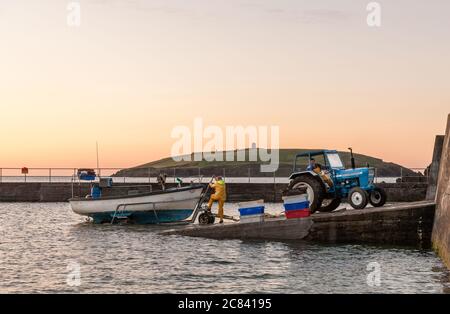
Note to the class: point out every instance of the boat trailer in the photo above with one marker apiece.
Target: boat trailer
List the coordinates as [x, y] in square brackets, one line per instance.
[205, 216]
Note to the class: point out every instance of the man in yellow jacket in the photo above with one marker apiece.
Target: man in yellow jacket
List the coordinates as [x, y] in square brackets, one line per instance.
[220, 195]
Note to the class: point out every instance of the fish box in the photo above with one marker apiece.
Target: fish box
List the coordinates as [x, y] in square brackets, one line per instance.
[296, 206]
[291, 214]
[251, 208]
[252, 218]
[86, 174]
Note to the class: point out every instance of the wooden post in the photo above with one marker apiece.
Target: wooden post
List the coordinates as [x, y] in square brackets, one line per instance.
[50, 175]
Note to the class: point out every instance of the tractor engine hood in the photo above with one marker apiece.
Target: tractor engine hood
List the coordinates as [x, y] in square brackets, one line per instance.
[351, 173]
[364, 177]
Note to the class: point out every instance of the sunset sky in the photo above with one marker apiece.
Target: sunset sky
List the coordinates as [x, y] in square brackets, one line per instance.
[134, 70]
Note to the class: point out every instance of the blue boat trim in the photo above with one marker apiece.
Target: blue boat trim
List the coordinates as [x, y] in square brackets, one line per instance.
[297, 206]
[144, 217]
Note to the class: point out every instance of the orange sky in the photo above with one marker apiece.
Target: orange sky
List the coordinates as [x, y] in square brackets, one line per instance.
[134, 70]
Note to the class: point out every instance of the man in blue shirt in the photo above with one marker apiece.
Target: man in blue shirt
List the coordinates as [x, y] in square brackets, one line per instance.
[317, 168]
[312, 165]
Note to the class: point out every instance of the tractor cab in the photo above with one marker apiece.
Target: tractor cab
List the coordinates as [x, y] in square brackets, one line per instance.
[327, 159]
[327, 181]
[324, 164]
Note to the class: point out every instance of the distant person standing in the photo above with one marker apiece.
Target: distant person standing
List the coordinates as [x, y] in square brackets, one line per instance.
[220, 195]
[162, 180]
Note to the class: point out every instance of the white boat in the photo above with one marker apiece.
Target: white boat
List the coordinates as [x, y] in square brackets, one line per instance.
[171, 205]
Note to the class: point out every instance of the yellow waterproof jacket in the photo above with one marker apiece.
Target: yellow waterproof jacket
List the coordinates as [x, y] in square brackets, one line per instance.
[220, 189]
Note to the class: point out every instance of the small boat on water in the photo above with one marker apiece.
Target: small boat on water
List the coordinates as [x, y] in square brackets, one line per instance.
[171, 205]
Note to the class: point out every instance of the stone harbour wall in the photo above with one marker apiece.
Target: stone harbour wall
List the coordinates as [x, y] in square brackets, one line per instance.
[237, 192]
[441, 228]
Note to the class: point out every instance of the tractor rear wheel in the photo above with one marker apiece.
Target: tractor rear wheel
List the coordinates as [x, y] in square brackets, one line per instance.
[358, 198]
[328, 205]
[377, 197]
[314, 189]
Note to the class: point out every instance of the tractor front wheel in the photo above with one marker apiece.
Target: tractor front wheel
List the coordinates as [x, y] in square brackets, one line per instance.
[358, 198]
[377, 197]
[314, 189]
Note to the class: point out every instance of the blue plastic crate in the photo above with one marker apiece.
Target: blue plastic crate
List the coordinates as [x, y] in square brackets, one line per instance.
[87, 177]
[251, 211]
[297, 206]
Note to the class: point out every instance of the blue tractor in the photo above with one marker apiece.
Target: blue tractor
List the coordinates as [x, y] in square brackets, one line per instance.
[327, 182]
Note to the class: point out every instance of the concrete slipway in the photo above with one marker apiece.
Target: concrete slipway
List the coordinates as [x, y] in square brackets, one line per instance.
[400, 224]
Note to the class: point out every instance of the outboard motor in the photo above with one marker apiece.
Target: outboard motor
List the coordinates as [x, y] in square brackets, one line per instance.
[96, 191]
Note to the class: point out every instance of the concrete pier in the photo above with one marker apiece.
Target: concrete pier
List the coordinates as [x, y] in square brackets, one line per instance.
[403, 224]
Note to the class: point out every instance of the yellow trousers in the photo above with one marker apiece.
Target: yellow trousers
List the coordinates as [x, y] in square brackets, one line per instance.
[221, 202]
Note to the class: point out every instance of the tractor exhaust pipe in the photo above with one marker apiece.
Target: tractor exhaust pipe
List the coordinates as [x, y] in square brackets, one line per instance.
[353, 159]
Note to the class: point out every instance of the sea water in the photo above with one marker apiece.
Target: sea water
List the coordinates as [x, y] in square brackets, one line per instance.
[44, 247]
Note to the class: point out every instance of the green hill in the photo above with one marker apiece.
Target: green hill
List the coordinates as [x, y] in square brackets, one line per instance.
[243, 168]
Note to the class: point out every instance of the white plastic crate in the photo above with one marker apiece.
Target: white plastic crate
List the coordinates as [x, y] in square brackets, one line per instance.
[248, 204]
[252, 218]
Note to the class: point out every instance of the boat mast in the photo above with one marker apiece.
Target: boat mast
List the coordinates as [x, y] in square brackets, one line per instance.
[98, 164]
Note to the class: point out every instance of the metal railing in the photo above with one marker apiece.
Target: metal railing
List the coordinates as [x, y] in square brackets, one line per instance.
[150, 175]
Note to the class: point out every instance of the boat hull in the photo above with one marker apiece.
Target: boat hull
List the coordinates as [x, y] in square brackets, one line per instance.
[150, 208]
[143, 218]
